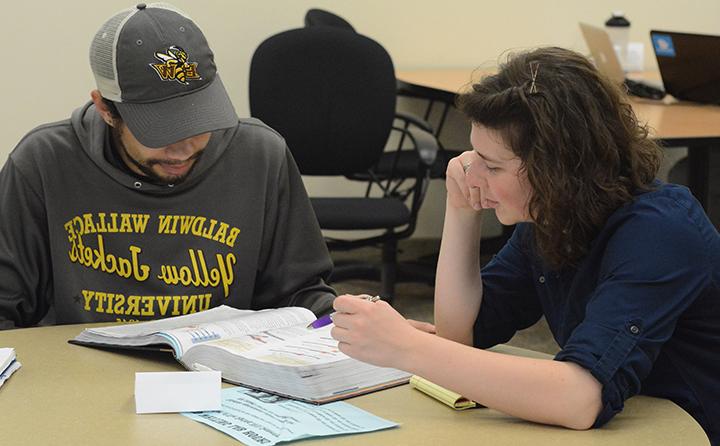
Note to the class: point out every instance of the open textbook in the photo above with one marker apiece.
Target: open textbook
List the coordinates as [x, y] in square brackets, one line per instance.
[270, 350]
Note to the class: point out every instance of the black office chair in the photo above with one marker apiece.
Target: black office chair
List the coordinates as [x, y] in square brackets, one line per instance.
[405, 162]
[320, 17]
[331, 94]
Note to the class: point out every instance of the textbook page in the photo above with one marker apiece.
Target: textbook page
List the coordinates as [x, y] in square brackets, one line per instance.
[245, 326]
[184, 332]
[294, 346]
[294, 362]
[151, 327]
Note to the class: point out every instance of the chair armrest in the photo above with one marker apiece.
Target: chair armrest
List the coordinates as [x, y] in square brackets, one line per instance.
[424, 142]
[414, 120]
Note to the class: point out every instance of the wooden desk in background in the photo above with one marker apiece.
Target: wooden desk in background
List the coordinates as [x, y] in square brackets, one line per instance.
[674, 124]
[71, 395]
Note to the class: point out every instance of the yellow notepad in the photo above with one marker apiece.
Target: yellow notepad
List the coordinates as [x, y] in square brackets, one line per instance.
[445, 396]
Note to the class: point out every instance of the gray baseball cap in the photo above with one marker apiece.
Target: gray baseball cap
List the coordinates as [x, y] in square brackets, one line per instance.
[155, 64]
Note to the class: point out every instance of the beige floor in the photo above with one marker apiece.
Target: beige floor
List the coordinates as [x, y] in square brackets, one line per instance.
[415, 300]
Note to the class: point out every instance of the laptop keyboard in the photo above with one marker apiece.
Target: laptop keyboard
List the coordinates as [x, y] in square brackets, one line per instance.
[643, 90]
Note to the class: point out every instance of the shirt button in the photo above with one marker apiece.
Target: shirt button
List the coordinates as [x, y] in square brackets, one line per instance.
[634, 329]
[541, 279]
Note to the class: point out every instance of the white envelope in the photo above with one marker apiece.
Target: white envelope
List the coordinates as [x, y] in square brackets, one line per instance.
[157, 392]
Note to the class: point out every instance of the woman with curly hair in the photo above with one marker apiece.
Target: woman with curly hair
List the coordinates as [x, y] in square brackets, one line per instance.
[625, 268]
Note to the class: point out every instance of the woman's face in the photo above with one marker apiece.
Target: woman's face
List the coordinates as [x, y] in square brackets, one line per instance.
[496, 172]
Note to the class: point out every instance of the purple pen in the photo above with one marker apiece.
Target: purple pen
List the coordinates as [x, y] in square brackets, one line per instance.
[321, 321]
[328, 318]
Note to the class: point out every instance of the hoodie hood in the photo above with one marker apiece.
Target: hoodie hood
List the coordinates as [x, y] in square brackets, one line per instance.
[92, 132]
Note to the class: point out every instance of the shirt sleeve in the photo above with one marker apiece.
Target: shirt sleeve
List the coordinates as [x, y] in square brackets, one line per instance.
[509, 298]
[25, 270]
[656, 263]
[295, 261]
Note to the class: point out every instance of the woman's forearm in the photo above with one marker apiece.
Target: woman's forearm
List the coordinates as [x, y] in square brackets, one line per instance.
[458, 287]
[539, 390]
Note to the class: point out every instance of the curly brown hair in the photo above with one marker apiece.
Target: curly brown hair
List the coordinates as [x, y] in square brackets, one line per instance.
[583, 150]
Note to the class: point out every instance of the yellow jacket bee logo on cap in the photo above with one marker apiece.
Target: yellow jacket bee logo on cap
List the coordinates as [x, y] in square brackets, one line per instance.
[175, 67]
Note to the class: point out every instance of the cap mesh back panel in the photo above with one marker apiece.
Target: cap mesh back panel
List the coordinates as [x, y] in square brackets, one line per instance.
[102, 55]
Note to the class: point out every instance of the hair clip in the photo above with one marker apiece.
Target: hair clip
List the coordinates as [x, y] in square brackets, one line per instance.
[534, 68]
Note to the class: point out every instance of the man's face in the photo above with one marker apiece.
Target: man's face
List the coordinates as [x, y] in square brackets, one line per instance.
[169, 165]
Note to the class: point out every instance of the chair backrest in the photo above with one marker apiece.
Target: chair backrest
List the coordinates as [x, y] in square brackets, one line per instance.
[329, 93]
[320, 17]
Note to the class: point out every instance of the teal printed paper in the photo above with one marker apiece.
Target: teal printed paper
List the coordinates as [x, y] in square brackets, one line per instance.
[261, 419]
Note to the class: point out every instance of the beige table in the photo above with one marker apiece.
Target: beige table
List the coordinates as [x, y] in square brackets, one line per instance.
[691, 125]
[71, 395]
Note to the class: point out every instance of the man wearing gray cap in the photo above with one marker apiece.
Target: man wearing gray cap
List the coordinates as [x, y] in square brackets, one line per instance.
[154, 200]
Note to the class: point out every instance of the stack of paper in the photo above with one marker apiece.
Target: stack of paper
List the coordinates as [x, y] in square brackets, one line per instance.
[8, 364]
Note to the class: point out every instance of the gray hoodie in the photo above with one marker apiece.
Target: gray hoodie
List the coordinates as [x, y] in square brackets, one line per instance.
[84, 241]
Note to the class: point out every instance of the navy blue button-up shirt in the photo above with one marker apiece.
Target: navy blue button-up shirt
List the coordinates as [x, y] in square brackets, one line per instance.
[641, 311]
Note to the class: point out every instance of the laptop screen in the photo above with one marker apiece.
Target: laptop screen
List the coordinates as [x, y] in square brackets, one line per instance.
[689, 65]
[601, 49]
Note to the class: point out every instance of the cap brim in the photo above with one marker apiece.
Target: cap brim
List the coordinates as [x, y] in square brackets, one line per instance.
[159, 124]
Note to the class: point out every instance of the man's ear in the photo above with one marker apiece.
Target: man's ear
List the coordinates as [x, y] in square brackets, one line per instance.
[102, 108]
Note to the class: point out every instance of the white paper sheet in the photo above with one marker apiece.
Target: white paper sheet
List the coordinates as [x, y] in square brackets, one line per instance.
[8, 364]
[7, 355]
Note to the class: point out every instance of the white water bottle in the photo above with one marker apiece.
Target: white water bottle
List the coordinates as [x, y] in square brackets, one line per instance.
[618, 28]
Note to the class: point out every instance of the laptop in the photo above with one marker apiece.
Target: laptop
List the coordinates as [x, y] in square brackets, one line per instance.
[689, 65]
[607, 62]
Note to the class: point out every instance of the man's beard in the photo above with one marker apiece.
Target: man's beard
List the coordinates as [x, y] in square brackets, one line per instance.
[146, 166]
